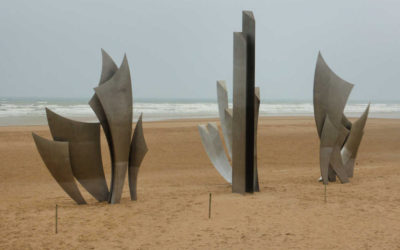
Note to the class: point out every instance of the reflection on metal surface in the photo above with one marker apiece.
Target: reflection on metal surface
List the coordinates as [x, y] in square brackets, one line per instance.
[137, 152]
[256, 112]
[115, 96]
[228, 113]
[339, 138]
[213, 145]
[330, 95]
[239, 121]
[55, 156]
[239, 124]
[108, 70]
[350, 148]
[85, 152]
[222, 95]
[76, 149]
[332, 139]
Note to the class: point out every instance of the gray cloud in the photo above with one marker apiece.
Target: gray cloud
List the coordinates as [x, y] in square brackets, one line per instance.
[179, 49]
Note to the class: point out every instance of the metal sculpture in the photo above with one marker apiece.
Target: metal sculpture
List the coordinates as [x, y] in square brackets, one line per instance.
[84, 150]
[75, 151]
[239, 124]
[339, 138]
[225, 115]
[137, 152]
[350, 148]
[55, 155]
[215, 150]
[115, 97]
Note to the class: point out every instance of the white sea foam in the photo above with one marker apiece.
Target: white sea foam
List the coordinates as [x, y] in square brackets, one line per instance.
[34, 110]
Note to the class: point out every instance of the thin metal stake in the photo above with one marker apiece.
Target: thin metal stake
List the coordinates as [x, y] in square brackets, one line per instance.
[209, 207]
[56, 218]
[325, 192]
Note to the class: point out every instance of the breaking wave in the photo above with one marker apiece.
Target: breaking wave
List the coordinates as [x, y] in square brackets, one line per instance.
[163, 110]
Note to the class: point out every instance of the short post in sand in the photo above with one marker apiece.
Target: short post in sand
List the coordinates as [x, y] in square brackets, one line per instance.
[209, 207]
[325, 192]
[56, 218]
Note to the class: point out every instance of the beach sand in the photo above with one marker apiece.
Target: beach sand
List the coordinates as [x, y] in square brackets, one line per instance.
[176, 178]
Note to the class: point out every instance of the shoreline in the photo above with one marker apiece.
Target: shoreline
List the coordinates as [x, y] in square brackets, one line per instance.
[42, 121]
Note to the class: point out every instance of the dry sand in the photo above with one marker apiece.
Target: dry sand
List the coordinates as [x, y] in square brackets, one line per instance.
[173, 190]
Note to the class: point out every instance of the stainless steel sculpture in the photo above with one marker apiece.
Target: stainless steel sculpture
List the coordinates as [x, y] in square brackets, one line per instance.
[75, 151]
[84, 150]
[339, 138]
[225, 115]
[55, 155]
[108, 70]
[239, 124]
[115, 97]
[215, 150]
[137, 152]
[350, 148]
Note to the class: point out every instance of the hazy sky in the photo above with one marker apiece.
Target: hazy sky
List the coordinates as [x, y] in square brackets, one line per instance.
[178, 49]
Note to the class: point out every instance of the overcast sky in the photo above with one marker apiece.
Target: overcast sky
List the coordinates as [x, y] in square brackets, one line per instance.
[178, 49]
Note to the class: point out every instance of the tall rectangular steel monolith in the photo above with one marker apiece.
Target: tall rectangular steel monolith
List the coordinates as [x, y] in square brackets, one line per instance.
[249, 32]
[244, 161]
[239, 132]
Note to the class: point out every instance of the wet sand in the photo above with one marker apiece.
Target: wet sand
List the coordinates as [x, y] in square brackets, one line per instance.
[173, 191]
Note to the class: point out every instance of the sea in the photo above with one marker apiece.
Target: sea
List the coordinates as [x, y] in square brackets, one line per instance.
[31, 111]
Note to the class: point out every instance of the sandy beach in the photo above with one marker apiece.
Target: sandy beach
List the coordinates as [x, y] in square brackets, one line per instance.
[176, 178]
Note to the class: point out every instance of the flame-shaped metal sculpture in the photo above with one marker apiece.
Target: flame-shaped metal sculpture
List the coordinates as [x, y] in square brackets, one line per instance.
[239, 124]
[75, 151]
[339, 138]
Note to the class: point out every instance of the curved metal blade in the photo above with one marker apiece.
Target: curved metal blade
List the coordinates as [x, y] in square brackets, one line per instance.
[350, 149]
[55, 156]
[213, 146]
[330, 95]
[136, 156]
[115, 97]
[85, 152]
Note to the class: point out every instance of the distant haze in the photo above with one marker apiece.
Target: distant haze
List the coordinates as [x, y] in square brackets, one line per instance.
[178, 49]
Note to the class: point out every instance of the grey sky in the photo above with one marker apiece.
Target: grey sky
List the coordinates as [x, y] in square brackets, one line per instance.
[178, 49]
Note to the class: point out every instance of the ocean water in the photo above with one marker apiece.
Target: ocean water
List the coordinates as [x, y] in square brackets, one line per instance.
[31, 111]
